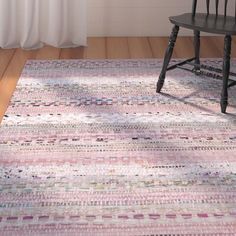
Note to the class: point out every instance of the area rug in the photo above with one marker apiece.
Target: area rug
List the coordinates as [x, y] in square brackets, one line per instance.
[89, 148]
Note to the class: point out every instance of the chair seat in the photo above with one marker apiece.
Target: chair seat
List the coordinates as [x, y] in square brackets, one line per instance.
[206, 23]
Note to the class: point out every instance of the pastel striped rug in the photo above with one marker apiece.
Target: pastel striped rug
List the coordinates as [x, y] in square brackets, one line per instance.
[89, 148]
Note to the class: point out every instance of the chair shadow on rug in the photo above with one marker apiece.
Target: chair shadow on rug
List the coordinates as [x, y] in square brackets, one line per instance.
[199, 107]
[210, 23]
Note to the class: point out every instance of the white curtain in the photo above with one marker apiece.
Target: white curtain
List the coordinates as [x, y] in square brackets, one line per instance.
[32, 23]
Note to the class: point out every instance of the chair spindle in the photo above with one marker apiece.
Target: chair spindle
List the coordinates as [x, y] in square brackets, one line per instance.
[226, 4]
[235, 10]
[208, 6]
[194, 8]
[217, 7]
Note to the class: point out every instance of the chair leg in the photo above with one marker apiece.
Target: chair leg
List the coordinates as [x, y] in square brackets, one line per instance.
[197, 44]
[226, 71]
[168, 56]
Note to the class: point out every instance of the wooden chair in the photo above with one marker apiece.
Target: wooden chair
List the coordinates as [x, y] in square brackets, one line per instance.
[205, 22]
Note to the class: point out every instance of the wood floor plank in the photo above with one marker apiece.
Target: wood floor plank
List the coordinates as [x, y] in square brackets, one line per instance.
[139, 47]
[96, 48]
[216, 44]
[48, 53]
[184, 48]
[5, 58]
[219, 41]
[209, 48]
[158, 46]
[73, 53]
[11, 76]
[117, 48]
[233, 48]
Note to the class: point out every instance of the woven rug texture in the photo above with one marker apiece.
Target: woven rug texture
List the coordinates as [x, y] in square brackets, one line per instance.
[87, 147]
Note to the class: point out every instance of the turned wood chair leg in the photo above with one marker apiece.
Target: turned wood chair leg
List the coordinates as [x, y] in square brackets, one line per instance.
[168, 56]
[226, 71]
[197, 44]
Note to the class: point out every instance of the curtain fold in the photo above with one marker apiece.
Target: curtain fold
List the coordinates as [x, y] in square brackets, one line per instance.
[33, 23]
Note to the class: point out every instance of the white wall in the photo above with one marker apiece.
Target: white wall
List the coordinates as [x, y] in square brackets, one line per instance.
[135, 17]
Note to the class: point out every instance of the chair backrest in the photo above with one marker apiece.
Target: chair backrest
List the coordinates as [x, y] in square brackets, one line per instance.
[216, 12]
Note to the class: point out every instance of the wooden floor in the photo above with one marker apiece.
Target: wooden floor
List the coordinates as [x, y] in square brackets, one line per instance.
[12, 61]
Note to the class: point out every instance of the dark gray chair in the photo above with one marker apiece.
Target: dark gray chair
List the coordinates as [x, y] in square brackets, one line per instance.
[205, 22]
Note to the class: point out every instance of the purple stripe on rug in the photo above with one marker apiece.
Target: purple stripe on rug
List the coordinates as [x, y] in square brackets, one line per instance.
[88, 148]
